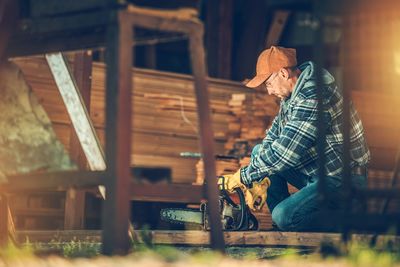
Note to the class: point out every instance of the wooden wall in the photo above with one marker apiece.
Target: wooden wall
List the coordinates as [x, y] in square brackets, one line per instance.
[380, 115]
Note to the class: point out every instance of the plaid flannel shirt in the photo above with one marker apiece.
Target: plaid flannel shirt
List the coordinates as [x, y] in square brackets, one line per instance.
[290, 142]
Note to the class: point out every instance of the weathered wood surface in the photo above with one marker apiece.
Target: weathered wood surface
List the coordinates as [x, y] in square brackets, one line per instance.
[75, 198]
[154, 129]
[201, 238]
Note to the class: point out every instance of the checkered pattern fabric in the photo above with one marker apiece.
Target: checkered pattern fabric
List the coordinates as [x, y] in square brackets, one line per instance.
[291, 142]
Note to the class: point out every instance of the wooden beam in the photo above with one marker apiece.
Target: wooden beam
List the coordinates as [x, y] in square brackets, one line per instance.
[277, 26]
[77, 111]
[196, 238]
[82, 69]
[183, 20]
[116, 207]
[52, 8]
[75, 198]
[219, 37]
[225, 39]
[168, 193]
[206, 135]
[53, 33]
[53, 180]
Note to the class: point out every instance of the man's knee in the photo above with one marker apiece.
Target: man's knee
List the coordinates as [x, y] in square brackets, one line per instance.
[282, 217]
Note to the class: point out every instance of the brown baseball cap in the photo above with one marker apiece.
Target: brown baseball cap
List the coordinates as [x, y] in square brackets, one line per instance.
[272, 60]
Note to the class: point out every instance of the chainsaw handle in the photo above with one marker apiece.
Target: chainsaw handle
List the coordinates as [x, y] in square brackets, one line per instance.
[242, 203]
[241, 206]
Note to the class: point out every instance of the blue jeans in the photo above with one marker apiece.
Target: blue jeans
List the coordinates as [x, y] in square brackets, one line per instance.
[302, 211]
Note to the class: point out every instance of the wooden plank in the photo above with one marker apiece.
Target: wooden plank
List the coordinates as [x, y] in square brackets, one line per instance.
[225, 38]
[53, 33]
[219, 37]
[58, 179]
[51, 8]
[277, 26]
[82, 72]
[55, 42]
[39, 212]
[77, 110]
[178, 193]
[256, 238]
[75, 198]
[181, 20]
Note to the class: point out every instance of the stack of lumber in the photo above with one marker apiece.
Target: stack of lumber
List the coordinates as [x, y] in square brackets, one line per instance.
[253, 114]
[223, 166]
[185, 105]
[160, 132]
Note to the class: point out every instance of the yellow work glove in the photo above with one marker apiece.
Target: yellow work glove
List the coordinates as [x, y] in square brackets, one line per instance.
[257, 195]
[230, 182]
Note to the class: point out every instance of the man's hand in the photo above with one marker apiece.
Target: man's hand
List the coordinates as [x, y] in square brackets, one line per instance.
[257, 195]
[230, 182]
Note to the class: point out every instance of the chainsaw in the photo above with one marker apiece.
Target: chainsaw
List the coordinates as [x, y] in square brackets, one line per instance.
[234, 216]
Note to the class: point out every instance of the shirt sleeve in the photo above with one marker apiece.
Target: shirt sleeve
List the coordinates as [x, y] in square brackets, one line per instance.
[285, 151]
[272, 133]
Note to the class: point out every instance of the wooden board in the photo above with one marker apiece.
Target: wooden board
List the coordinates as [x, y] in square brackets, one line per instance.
[256, 238]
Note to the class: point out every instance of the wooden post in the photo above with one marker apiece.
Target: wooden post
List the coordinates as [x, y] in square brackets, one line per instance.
[185, 22]
[219, 42]
[225, 39]
[118, 134]
[75, 198]
[206, 135]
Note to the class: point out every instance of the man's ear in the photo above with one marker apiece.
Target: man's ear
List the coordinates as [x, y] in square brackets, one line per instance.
[284, 73]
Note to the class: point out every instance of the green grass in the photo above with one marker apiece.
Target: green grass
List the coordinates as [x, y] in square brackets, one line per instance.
[355, 254]
[11, 252]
